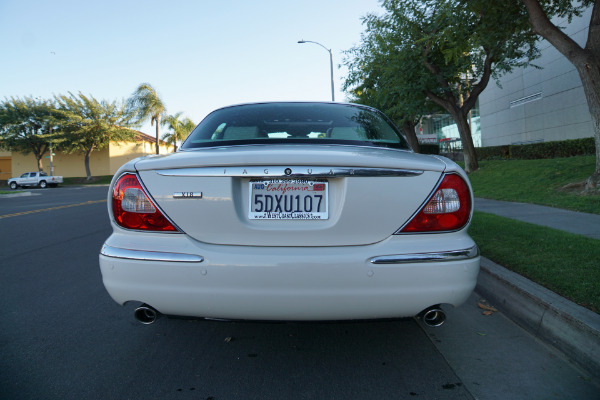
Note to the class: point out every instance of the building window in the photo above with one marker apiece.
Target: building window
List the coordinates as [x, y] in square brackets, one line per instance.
[447, 131]
[526, 99]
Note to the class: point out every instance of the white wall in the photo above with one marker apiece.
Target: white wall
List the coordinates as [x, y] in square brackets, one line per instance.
[537, 105]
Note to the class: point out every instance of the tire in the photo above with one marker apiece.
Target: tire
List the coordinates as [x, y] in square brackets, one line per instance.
[13, 185]
[43, 184]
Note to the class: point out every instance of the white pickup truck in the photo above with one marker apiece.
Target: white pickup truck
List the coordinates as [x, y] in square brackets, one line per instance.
[40, 179]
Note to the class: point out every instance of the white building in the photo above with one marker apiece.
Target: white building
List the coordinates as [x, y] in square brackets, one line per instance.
[538, 105]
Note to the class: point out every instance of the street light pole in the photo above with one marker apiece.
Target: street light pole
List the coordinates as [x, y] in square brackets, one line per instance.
[330, 63]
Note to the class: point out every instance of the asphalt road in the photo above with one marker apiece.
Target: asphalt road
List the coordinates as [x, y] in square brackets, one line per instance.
[62, 336]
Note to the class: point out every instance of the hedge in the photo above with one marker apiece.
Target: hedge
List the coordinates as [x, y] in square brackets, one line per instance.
[429, 149]
[562, 148]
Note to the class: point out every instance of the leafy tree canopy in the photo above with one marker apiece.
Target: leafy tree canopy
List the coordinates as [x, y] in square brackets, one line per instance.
[28, 125]
[90, 124]
[444, 51]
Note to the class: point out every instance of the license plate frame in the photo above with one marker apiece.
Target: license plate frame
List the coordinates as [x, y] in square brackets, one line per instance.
[288, 199]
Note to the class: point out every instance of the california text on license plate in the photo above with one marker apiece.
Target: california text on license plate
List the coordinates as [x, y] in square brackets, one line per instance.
[289, 199]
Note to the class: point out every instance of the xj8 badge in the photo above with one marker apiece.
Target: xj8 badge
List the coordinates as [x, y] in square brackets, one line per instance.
[187, 195]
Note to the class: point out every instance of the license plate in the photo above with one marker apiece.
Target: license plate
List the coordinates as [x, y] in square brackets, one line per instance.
[299, 199]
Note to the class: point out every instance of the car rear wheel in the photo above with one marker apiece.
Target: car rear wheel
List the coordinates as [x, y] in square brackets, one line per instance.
[13, 185]
[43, 184]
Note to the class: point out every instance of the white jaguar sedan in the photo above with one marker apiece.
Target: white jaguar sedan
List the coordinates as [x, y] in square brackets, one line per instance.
[291, 211]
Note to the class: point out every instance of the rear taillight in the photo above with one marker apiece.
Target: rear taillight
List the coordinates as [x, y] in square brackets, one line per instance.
[133, 209]
[448, 209]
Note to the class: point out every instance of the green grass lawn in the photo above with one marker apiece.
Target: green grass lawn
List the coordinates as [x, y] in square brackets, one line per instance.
[537, 182]
[563, 262]
[96, 180]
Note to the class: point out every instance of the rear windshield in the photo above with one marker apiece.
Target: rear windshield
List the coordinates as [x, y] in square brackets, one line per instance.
[295, 123]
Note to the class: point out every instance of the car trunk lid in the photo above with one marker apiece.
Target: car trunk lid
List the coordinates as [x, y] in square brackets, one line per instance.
[368, 192]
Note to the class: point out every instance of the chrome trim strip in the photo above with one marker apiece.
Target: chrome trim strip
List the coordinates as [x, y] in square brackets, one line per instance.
[293, 171]
[142, 255]
[453, 255]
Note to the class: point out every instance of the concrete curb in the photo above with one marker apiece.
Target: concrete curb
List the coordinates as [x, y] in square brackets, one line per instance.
[570, 328]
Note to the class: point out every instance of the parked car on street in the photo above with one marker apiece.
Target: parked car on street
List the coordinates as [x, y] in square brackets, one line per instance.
[39, 179]
[291, 211]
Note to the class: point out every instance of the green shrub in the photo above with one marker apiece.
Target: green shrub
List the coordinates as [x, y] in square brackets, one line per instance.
[536, 151]
[493, 153]
[429, 149]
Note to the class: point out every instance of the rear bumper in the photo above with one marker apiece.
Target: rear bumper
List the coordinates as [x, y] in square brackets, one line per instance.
[179, 276]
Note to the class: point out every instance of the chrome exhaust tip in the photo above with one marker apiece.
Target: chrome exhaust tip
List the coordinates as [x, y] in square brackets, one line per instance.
[433, 316]
[146, 314]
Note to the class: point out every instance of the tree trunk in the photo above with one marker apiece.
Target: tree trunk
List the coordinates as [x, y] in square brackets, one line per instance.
[464, 130]
[593, 182]
[586, 61]
[39, 151]
[589, 72]
[157, 123]
[86, 159]
[408, 127]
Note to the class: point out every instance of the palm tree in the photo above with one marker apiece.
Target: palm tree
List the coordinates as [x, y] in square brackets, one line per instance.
[180, 128]
[147, 104]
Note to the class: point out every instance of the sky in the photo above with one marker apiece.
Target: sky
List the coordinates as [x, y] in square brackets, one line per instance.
[199, 55]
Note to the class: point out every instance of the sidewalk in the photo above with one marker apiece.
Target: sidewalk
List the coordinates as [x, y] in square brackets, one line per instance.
[568, 327]
[570, 221]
